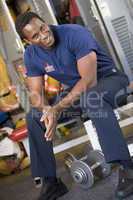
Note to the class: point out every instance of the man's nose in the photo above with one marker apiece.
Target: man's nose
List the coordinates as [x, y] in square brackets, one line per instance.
[43, 36]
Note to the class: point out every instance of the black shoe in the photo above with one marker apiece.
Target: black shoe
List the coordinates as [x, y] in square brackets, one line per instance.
[52, 191]
[125, 183]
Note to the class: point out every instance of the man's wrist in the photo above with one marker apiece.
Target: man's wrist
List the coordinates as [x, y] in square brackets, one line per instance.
[46, 108]
[58, 108]
[45, 112]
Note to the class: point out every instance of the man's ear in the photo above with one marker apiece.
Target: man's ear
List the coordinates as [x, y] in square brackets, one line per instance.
[27, 41]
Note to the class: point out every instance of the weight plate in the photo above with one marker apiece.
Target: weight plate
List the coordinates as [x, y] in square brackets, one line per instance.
[104, 169]
[82, 174]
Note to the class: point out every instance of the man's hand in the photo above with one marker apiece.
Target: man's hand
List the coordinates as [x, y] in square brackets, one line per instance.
[50, 116]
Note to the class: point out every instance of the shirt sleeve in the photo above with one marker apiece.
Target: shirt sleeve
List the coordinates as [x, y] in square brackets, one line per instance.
[31, 69]
[82, 42]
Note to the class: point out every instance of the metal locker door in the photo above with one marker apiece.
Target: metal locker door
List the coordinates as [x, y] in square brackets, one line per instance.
[119, 24]
[92, 19]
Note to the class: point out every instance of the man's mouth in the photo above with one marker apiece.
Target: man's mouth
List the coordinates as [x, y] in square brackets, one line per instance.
[48, 40]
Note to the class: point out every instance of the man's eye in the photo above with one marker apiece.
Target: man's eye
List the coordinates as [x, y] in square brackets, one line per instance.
[43, 27]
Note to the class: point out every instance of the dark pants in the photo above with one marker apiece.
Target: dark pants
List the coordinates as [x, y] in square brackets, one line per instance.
[98, 102]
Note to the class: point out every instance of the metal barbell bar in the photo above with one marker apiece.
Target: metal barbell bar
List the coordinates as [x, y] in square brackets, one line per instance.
[83, 170]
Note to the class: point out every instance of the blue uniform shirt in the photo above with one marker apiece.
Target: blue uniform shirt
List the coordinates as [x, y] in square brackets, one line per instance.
[72, 43]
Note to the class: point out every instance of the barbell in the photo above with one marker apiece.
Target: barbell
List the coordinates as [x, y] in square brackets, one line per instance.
[84, 170]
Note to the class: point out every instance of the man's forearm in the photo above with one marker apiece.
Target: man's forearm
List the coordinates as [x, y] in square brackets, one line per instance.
[35, 86]
[80, 87]
[39, 101]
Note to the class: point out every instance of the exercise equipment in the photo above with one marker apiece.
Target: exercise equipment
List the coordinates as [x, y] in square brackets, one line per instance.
[84, 170]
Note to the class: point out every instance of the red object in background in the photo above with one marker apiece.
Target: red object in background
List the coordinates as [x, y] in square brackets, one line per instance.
[74, 11]
[19, 134]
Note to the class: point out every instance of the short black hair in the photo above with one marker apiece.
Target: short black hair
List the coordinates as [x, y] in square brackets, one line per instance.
[22, 20]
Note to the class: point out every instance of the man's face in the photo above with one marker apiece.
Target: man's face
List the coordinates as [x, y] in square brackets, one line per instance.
[38, 32]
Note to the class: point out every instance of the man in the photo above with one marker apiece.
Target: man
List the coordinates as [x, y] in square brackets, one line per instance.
[70, 54]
